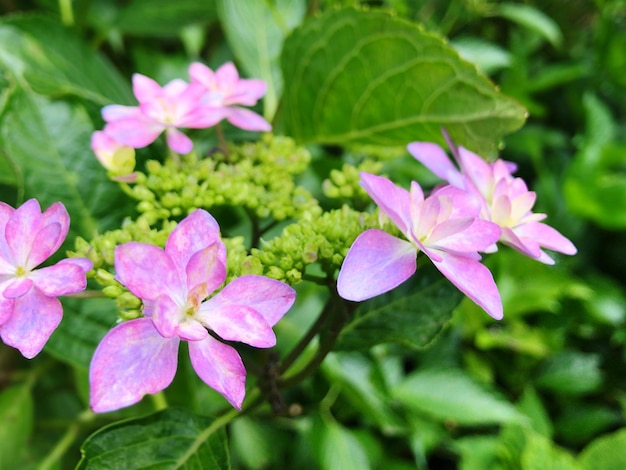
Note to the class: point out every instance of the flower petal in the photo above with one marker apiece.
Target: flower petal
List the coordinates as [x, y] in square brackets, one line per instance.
[393, 200]
[145, 89]
[35, 316]
[247, 120]
[166, 315]
[473, 279]
[269, 297]
[148, 272]
[133, 359]
[206, 267]
[6, 309]
[136, 132]
[178, 141]
[17, 288]
[237, 323]
[547, 237]
[21, 230]
[376, 263]
[433, 157]
[478, 235]
[220, 367]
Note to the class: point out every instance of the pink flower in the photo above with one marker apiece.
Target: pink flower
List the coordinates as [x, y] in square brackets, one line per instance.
[140, 356]
[444, 226]
[224, 90]
[175, 105]
[506, 199]
[29, 309]
[118, 159]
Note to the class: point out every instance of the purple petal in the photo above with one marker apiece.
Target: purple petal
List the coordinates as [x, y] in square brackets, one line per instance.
[474, 280]
[133, 359]
[376, 263]
[148, 272]
[238, 323]
[248, 120]
[6, 309]
[220, 367]
[35, 316]
[393, 200]
[194, 233]
[206, 267]
[17, 288]
[269, 297]
[178, 141]
[433, 157]
[21, 230]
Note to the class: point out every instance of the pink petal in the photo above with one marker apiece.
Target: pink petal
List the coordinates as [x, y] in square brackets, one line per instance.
[524, 245]
[17, 288]
[148, 272]
[227, 76]
[57, 214]
[376, 263]
[547, 237]
[178, 141]
[220, 367]
[246, 92]
[465, 203]
[269, 297]
[478, 170]
[35, 316]
[84, 263]
[433, 157]
[194, 233]
[117, 112]
[238, 323]
[6, 309]
[474, 280]
[46, 242]
[166, 315]
[133, 359]
[247, 120]
[136, 133]
[21, 230]
[479, 235]
[393, 200]
[192, 330]
[202, 74]
[206, 267]
[145, 89]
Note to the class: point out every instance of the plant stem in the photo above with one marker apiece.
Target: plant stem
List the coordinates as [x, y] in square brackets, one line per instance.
[65, 442]
[67, 15]
[221, 140]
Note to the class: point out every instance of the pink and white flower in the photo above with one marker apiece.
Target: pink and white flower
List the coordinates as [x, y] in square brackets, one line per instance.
[445, 226]
[505, 199]
[140, 356]
[118, 159]
[29, 308]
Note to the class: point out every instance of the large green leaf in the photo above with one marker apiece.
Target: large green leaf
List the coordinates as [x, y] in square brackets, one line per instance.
[16, 416]
[606, 453]
[412, 315]
[255, 31]
[172, 439]
[452, 395]
[49, 142]
[368, 77]
[53, 60]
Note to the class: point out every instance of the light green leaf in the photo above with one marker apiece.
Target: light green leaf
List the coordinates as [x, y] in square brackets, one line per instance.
[49, 142]
[169, 439]
[487, 56]
[571, 373]
[451, 395]
[85, 322]
[368, 77]
[606, 453]
[16, 416]
[255, 31]
[337, 447]
[531, 18]
[53, 60]
[541, 453]
[412, 314]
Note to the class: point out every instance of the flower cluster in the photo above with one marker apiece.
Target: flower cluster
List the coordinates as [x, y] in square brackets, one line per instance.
[206, 100]
[140, 356]
[29, 308]
[482, 204]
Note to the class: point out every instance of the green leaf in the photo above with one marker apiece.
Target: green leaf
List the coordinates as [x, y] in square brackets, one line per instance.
[487, 56]
[163, 18]
[368, 77]
[172, 438]
[256, 31]
[541, 453]
[571, 373]
[451, 395]
[16, 416]
[53, 60]
[337, 447]
[412, 314]
[606, 453]
[531, 18]
[50, 142]
[85, 322]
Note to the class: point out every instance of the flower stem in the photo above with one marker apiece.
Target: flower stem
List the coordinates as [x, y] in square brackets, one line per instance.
[221, 140]
[159, 401]
[65, 442]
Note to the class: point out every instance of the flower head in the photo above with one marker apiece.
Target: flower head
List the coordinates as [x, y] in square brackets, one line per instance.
[118, 159]
[224, 90]
[505, 199]
[140, 356]
[29, 309]
[445, 226]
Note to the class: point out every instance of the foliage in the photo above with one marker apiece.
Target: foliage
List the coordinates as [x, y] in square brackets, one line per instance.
[417, 377]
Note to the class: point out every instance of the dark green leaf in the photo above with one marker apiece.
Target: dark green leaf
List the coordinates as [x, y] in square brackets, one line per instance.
[368, 77]
[16, 416]
[170, 439]
[412, 314]
[452, 395]
[53, 60]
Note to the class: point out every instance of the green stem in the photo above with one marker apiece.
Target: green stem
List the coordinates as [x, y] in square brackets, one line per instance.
[159, 401]
[67, 15]
[65, 442]
[221, 140]
[87, 294]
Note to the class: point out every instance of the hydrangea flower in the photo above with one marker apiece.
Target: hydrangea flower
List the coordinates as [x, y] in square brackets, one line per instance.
[225, 90]
[118, 159]
[29, 308]
[506, 199]
[140, 356]
[160, 109]
[445, 226]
